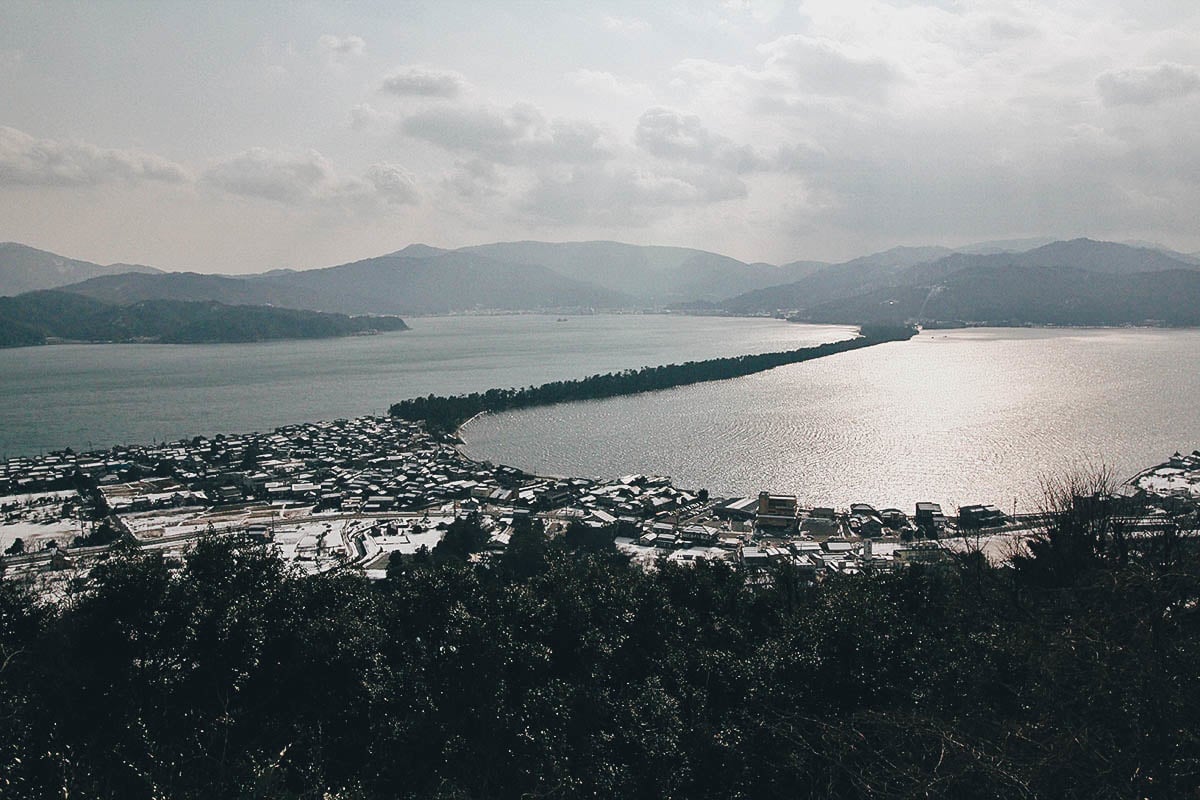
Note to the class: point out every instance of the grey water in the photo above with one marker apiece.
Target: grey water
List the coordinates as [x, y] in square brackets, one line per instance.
[92, 396]
[956, 417]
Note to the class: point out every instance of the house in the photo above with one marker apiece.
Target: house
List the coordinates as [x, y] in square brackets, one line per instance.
[930, 518]
[227, 494]
[754, 556]
[981, 516]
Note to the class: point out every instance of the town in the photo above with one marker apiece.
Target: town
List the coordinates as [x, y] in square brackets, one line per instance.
[354, 493]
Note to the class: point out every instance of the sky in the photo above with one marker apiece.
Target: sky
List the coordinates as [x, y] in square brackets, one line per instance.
[241, 137]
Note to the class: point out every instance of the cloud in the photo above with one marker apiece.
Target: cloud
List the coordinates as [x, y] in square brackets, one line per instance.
[796, 71]
[626, 25]
[827, 67]
[1147, 85]
[306, 178]
[364, 116]
[674, 136]
[473, 179]
[11, 59]
[422, 81]
[394, 184]
[26, 161]
[283, 177]
[605, 83]
[341, 46]
[617, 195]
[519, 134]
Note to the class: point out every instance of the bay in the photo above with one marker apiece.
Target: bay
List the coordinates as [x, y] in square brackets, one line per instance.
[86, 396]
[956, 417]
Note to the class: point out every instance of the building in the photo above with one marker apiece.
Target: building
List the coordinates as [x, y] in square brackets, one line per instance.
[776, 513]
[981, 516]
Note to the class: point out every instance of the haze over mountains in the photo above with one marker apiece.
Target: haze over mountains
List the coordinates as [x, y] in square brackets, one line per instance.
[26, 269]
[1078, 282]
[1081, 281]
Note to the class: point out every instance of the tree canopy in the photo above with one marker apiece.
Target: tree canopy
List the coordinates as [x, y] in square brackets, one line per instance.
[562, 670]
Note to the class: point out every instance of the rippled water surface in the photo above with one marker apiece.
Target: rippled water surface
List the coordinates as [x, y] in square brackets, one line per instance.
[76, 395]
[952, 416]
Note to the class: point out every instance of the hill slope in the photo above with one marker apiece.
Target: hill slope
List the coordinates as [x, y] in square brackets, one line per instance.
[1038, 295]
[26, 269]
[872, 275]
[442, 282]
[35, 317]
[134, 287]
[504, 276]
[653, 275]
[436, 283]
[835, 281]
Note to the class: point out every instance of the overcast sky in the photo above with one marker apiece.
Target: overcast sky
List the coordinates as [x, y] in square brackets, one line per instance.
[247, 136]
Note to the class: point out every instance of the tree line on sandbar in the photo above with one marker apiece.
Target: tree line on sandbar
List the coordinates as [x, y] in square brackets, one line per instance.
[444, 413]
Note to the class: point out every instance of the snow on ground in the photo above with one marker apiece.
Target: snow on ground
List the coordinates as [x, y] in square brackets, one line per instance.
[408, 542]
[998, 548]
[37, 534]
[691, 555]
[311, 544]
[31, 498]
[1170, 481]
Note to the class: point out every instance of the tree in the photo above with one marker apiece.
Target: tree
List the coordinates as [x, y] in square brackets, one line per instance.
[583, 538]
[525, 555]
[1085, 526]
[464, 536]
[16, 548]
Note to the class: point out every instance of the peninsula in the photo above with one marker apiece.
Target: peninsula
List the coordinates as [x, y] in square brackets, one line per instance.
[448, 413]
[42, 317]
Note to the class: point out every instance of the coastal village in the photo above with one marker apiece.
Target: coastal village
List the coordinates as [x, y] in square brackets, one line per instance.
[352, 493]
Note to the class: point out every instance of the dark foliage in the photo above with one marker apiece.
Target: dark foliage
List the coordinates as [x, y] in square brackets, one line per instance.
[558, 673]
[447, 413]
[104, 532]
[463, 537]
[33, 317]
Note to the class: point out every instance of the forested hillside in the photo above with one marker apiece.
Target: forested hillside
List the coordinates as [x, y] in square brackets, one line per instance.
[560, 670]
[37, 317]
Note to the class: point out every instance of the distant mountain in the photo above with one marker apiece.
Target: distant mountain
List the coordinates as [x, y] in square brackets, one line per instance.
[505, 276]
[1087, 254]
[899, 257]
[449, 281]
[421, 279]
[35, 317]
[831, 282]
[1006, 245]
[269, 289]
[801, 269]
[444, 282]
[1038, 295]
[420, 251]
[652, 275]
[25, 269]
[865, 276]
[1193, 258]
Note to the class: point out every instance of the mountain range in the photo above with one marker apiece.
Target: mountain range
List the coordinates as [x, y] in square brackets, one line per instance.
[1077, 282]
[511, 276]
[506, 276]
